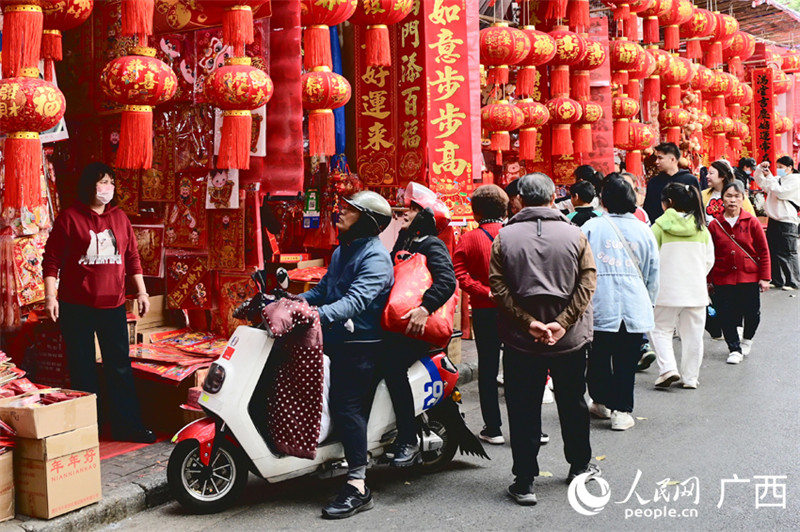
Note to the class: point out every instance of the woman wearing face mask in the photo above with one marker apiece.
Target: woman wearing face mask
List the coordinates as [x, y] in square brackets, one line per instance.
[91, 249]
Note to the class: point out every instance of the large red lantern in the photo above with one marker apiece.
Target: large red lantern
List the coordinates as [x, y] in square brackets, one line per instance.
[742, 47]
[640, 137]
[650, 18]
[536, 115]
[643, 70]
[672, 120]
[726, 28]
[323, 91]
[701, 25]
[624, 57]
[652, 85]
[376, 15]
[62, 16]
[500, 47]
[570, 50]
[591, 113]
[680, 12]
[543, 48]
[22, 35]
[317, 17]
[30, 105]
[500, 119]
[594, 58]
[622, 110]
[563, 113]
[680, 72]
[735, 136]
[237, 21]
[718, 128]
[742, 94]
[721, 88]
[237, 89]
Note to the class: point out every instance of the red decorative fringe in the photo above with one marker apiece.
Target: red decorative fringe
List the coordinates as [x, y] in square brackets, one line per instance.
[622, 12]
[526, 81]
[633, 163]
[619, 77]
[652, 89]
[556, 9]
[561, 140]
[23, 164]
[317, 47]
[631, 28]
[714, 55]
[672, 38]
[582, 142]
[137, 19]
[559, 81]
[650, 30]
[579, 83]
[735, 144]
[673, 95]
[633, 90]
[673, 134]
[527, 143]
[51, 46]
[321, 133]
[500, 141]
[578, 15]
[136, 140]
[694, 49]
[237, 28]
[498, 75]
[622, 128]
[377, 42]
[22, 41]
[234, 144]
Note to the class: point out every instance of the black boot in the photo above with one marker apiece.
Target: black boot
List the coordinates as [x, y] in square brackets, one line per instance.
[349, 502]
[406, 455]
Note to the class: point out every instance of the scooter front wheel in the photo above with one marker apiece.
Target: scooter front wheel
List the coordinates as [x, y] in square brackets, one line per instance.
[206, 489]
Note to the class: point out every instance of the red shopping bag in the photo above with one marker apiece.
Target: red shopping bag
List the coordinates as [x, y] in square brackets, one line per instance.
[411, 280]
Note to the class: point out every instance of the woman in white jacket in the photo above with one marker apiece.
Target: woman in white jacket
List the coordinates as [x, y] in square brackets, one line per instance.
[687, 255]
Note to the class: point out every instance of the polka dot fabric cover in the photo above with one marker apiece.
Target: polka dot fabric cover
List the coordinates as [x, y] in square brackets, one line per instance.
[294, 401]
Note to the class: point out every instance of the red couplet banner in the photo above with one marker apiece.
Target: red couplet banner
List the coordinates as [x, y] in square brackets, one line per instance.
[763, 115]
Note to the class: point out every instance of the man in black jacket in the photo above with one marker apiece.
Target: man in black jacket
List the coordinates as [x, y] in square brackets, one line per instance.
[667, 155]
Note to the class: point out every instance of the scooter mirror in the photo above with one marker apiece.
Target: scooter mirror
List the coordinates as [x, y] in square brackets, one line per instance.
[283, 278]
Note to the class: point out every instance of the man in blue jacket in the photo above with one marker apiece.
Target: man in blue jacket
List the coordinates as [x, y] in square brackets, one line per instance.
[355, 288]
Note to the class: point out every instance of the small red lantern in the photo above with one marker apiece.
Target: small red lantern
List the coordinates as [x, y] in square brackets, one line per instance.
[643, 70]
[563, 113]
[701, 25]
[782, 124]
[501, 46]
[31, 105]
[703, 79]
[672, 120]
[22, 35]
[742, 95]
[591, 113]
[624, 57]
[652, 85]
[622, 110]
[376, 15]
[781, 82]
[595, 57]
[62, 16]
[640, 137]
[740, 131]
[726, 28]
[718, 128]
[138, 81]
[651, 16]
[721, 88]
[317, 17]
[570, 50]
[742, 47]
[680, 12]
[323, 91]
[791, 62]
[536, 115]
[543, 48]
[680, 72]
[500, 118]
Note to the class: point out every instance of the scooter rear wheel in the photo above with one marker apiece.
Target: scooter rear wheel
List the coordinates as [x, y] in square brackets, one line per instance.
[206, 489]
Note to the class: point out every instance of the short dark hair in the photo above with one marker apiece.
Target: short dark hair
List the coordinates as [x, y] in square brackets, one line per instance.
[747, 162]
[668, 148]
[724, 171]
[584, 190]
[586, 173]
[786, 161]
[618, 196]
[489, 201]
[512, 189]
[92, 173]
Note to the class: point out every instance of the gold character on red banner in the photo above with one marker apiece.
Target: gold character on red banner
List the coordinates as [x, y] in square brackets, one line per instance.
[375, 76]
[376, 140]
[410, 136]
[449, 161]
[375, 104]
[447, 82]
[442, 14]
[410, 99]
[446, 47]
[410, 69]
[449, 120]
[410, 29]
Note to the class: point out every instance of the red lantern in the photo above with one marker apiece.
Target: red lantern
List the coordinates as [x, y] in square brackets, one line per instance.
[237, 89]
[718, 128]
[740, 131]
[501, 46]
[500, 118]
[631, 24]
[782, 124]
[317, 17]
[640, 138]
[701, 25]
[726, 28]
[781, 82]
[22, 35]
[672, 120]
[323, 91]
[680, 72]
[651, 16]
[680, 12]
[535, 116]
[595, 57]
[742, 47]
[791, 62]
[742, 94]
[138, 81]
[643, 70]
[721, 88]
[543, 48]
[622, 110]
[563, 113]
[376, 15]
[30, 105]
[624, 57]
[652, 85]
[591, 113]
[62, 16]
[570, 50]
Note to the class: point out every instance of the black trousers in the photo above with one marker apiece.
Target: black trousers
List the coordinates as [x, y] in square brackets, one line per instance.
[525, 377]
[79, 324]
[352, 386]
[782, 241]
[487, 341]
[612, 368]
[736, 302]
[401, 352]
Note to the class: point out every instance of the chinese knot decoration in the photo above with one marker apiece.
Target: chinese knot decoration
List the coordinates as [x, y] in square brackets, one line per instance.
[237, 89]
[28, 105]
[317, 17]
[500, 47]
[22, 35]
[322, 92]
[500, 118]
[543, 48]
[536, 116]
[62, 16]
[377, 15]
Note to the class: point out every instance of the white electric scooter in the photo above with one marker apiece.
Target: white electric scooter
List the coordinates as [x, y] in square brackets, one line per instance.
[209, 466]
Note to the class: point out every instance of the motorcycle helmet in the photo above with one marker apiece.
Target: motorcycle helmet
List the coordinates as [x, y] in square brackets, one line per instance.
[426, 198]
[374, 206]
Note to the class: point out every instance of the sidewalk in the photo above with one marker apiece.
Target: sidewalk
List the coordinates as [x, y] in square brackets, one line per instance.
[136, 481]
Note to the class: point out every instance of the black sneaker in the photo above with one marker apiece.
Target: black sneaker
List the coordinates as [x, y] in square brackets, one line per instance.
[647, 359]
[522, 493]
[349, 502]
[407, 455]
[589, 468]
[494, 437]
[544, 438]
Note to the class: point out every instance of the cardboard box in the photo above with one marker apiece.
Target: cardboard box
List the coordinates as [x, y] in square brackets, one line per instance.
[6, 486]
[58, 474]
[143, 336]
[156, 317]
[39, 421]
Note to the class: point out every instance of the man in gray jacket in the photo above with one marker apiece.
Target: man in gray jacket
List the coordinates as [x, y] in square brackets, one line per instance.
[542, 275]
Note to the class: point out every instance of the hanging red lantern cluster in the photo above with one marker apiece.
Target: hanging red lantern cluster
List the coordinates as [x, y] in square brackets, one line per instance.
[650, 18]
[719, 90]
[652, 85]
[61, 16]
[543, 49]
[701, 25]
[377, 16]
[641, 137]
[535, 116]
[500, 47]
[317, 17]
[680, 72]
[742, 47]
[679, 13]
[500, 118]
[322, 92]
[570, 50]
[563, 113]
[735, 136]
[630, 25]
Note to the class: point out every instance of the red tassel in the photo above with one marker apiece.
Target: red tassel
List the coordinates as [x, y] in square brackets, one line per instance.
[22, 38]
[498, 158]
[23, 164]
[619, 77]
[652, 89]
[561, 140]
[633, 163]
[377, 42]
[497, 75]
[622, 12]
[650, 30]
[500, 141]
[735, 144]
[579, 82]
[631, 29]
[559, 81]
[234, 144]
[9, 308]
[526, 81]
[633, 90]
[237, 28]
[735, 111]
[578, 15]
[673, 95]
[672, 38]
[317, 47]
[673, 134]
[135, 138]
[717, 146]
[556, 9]
[621, 132]
[527, 143]
[137, 19]
[714, 55]
[583, 138]
[321, 132]
[51, 45]
[694, 49]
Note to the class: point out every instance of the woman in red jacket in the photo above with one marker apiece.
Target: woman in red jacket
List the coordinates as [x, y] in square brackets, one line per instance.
[91, 248]
[741, 270]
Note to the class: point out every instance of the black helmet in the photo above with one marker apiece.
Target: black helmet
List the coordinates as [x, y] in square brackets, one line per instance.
[374, 206]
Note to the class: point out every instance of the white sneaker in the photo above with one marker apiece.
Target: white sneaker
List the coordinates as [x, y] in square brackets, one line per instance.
[621, 420]
[746, 346]
[664, 381]
[735, 357]
[599, 411]
[548, 396]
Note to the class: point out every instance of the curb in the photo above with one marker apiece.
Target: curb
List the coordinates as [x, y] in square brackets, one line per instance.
[467, 372]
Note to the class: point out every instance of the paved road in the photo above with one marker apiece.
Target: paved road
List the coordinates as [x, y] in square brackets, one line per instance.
[742, 421]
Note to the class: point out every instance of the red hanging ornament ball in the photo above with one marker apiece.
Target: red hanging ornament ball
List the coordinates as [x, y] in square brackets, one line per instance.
[535, 116]
[543, 48]
[701, 25]
[571, 48]
[500, 47]
[500, 118]
[625, 56]
[563, 113]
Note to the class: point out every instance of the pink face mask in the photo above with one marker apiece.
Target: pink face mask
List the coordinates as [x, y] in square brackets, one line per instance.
[105, 193]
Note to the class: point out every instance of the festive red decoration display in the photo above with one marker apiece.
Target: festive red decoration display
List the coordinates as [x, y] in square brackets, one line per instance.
[323, 91]
[22, 35]
[500, 118]
[579, 77]
[317, 17]
[650, 19]
[721, 88]
[725, 29]
[740, 131]
[640, 137]
[679, 72]
[742, 94]
[591, 113]
[672, 120]
[563, 113]
[625, 56]
[58, 17]
[543, 48]
[717, 129]
[701, 25]
[377, 15]
[622, 110]
[741, 49]
[570, 50]
[28, 105]
[501, 46]
[643, 70]
[535, 116]
[680, 12]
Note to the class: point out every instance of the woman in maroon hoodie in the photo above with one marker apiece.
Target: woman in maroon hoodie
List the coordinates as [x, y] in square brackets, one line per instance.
[91, 248]
[741, 270]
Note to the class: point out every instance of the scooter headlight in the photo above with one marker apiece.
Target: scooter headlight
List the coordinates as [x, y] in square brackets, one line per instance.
[214, 379]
